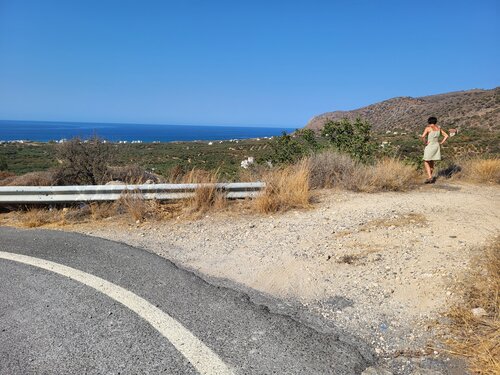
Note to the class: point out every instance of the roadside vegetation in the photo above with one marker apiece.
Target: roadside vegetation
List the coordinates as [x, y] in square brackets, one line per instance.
[473, 330]
[344, 155]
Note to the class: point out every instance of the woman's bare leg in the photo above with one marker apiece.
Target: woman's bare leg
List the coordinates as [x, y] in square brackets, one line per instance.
[428, 170]
[431, 164]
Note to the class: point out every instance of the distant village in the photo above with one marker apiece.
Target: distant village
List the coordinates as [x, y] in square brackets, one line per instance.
[60, 141]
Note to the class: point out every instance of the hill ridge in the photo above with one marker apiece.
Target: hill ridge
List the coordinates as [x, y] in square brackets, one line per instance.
[479, 108]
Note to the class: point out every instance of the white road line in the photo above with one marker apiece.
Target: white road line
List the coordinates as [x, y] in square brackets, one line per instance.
[197, 353]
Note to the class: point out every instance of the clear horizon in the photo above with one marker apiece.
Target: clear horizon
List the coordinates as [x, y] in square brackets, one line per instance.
[139, 123]
[223, 63]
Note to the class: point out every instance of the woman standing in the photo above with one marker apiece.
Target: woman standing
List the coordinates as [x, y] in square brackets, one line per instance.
[432, 151]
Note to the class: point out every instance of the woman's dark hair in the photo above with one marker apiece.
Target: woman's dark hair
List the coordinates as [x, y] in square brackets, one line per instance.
[432, 121]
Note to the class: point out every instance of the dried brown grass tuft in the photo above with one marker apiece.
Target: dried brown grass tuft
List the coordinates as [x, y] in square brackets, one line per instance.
[207, 197]
[386, 175]
[4, 175]
[36, 217]
[175, 174]
[286, 188]
[74, 215]
[331, 169]
[132, 204]
[30, 179]
[102, 210]
[477, 338]
[482, 170]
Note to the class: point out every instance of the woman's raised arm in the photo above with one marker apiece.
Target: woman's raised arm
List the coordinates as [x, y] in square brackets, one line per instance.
[445, 135]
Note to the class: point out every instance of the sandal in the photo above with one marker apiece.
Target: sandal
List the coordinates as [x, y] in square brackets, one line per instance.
[428, 181]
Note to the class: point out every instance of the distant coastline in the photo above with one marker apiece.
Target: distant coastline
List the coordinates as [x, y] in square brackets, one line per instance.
[43, 131]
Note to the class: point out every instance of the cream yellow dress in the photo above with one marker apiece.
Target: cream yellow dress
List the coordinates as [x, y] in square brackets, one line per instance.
[433, 150]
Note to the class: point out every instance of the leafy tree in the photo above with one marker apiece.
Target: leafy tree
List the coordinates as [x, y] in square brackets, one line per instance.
[309, 138]
[286, 149]
[353, 138]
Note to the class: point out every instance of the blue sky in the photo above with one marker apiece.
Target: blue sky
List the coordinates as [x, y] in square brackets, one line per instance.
[236, 62]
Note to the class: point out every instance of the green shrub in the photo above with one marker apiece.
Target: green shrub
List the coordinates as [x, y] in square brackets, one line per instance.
[289, 148]
[353, 138]
[3, 164]
[286, 149]
[309, 140]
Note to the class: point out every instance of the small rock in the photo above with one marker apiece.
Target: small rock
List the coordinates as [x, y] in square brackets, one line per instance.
[478, 312]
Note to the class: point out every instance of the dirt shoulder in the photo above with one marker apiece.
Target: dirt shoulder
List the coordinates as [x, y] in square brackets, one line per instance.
[381, 266]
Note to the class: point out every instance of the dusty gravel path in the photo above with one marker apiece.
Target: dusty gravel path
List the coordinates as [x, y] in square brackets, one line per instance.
[380, 265]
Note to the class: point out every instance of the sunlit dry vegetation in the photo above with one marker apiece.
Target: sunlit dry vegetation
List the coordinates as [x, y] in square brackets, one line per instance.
[286, 188]
[482, 170]
[474, 328]
[344, 156]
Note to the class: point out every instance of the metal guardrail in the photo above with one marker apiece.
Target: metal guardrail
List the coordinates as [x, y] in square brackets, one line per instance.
[96, 193]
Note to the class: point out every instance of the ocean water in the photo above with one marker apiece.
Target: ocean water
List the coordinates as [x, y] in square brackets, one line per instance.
[43, 131]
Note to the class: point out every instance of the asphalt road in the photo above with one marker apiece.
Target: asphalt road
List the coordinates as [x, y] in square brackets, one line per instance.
[72, 304]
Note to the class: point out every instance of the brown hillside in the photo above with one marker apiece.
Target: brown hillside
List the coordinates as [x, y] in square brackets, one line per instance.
[461, 109]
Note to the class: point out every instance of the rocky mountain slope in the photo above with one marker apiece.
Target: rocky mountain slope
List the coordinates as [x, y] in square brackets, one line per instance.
[461, 109]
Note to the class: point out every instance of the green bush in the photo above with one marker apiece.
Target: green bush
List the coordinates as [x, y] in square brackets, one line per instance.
[309, 140]
[286, 149]
[289, 148]
[3, 164]
[353, 138]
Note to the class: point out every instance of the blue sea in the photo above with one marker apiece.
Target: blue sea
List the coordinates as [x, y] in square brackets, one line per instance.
[44, 131]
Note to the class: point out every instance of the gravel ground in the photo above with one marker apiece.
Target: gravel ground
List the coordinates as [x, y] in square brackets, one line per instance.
[381, 266]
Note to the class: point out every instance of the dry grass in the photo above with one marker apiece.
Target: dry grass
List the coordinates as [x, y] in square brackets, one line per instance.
[36, 217]
[102, 210]
[30, 179]
[482, 170]
[207, 197]
[4, 175]
[386, 175]
[331, 169]
[478, 337]
[73, 215]
[175, 175]
[254, 173]
[133, 205]
[286, 188]
[410, 219]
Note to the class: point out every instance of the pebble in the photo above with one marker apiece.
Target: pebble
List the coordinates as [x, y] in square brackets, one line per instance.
[479, 312]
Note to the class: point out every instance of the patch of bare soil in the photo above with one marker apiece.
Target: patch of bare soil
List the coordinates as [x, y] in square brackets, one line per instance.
[381, 266]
